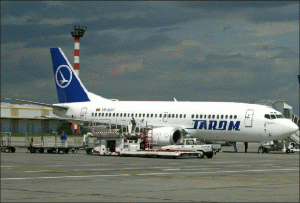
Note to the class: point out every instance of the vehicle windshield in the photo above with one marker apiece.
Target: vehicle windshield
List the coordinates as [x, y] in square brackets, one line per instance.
[279, 116]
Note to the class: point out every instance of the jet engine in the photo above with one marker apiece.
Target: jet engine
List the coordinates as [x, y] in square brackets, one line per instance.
[166, 135]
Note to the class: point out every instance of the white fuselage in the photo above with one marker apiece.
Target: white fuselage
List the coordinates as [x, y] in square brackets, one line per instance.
[206, 120]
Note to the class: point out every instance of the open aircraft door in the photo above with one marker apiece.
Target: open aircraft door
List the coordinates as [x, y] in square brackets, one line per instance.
[249, 118]
[83, 113]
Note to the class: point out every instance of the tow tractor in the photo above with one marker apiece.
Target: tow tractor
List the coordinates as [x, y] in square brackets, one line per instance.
[193, 144]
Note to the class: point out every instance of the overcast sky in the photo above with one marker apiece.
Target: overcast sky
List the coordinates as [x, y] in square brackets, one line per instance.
[234, 51]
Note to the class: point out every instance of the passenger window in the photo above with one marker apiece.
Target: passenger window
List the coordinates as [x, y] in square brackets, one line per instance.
[180, 116]
[102, 114]
[92, 114]
[136, 115]
[235, 116]
[152, 115]
[213, 116]
[173, 115]
[160, 115]
[230, 116]
[106, 114]
[114, 114]
[196, 115]
[140, 115]
[109, 114]
[147, 115]
[132, 115]
[200, 115]
[204, 116]
[217, 116]
[169, 116]
[226, 116]
[209, 116]
[156, 115]
[124, 114]
[192, 115]
[184, 116]
[222, 116]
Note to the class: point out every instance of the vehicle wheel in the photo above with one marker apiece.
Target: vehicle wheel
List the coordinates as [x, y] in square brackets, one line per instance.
[210, 155]
[6, 150]
[66, 151]
[200, 154]
[287, 151]
[261, 150]
[49, 151]
[89, 152]
[41, 150]
[12, 150]
[74, 151]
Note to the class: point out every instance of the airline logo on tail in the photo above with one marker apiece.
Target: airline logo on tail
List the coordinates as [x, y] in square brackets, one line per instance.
[68, 85]
[63, 76]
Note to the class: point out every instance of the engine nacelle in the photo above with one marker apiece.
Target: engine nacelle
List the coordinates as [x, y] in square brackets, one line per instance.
[166, 135]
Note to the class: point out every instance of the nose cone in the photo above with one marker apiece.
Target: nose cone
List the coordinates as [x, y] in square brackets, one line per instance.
[294, 128]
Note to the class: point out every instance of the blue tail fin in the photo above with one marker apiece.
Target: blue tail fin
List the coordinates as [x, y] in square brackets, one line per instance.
[68, 85]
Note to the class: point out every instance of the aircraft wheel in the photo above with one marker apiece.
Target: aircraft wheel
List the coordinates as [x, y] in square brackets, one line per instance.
[200, 154]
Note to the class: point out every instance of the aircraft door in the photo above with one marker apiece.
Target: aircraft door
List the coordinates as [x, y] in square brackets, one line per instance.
[165, 117]
[249, 118]
[83, 113]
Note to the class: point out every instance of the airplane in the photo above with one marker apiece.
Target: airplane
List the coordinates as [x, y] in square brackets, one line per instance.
[171, 120]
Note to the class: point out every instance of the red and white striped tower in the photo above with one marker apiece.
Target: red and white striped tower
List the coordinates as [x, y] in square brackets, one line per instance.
[77, 33]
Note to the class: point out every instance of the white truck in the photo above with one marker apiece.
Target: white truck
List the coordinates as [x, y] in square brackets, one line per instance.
[193, 144]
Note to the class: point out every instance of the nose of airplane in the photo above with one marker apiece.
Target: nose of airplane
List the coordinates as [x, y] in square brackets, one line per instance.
[294, 128]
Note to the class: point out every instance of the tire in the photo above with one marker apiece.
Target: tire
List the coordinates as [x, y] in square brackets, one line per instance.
[287, 151]
[41, 150]
[89, 152]
[12, 150]
[209, 155]
[200, 154]
[261, 150]
[66, 151]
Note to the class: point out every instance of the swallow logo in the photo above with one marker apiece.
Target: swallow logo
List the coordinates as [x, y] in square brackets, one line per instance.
[63, 76]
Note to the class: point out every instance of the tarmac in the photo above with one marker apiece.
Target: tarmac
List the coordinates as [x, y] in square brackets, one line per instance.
[227, 177]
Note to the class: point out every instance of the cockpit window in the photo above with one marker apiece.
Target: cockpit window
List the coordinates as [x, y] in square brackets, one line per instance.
[279, 116]
[272, 116]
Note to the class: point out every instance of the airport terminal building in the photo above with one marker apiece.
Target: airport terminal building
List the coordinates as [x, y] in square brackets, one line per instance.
[18, 118]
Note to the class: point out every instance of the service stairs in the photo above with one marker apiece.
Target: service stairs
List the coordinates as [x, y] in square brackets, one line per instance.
[295, 137]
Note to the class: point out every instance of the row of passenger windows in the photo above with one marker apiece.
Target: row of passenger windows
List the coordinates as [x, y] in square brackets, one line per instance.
[214, 116]
[148, 115]
[140, 115]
